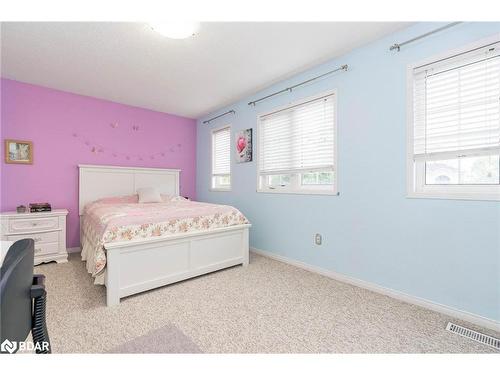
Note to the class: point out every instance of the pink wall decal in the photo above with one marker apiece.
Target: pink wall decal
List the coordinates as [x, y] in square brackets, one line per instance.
[69, 129]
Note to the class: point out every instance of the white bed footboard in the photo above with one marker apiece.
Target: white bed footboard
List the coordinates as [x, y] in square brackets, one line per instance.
[136, 266]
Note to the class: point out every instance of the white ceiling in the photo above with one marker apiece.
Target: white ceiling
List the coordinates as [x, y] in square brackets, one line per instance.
[131, 64]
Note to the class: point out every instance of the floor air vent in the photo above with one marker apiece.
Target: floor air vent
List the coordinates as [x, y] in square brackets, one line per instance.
[473, 335]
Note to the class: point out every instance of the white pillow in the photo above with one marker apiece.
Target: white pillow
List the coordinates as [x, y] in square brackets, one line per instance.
[172, 198]
[149, 195]
[178, 198]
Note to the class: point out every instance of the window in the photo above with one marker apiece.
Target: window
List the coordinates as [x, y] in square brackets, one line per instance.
[221, 159]
[297, 147]
[454, 127]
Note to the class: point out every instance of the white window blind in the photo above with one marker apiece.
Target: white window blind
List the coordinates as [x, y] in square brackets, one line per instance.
[221, 156]
[298, 139]
[456, 104]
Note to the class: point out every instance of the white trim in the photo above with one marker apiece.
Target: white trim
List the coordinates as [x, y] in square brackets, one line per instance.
[413, 187]
[212, 131]
[334, 190]
[299, 192]
[76, 249]
[452, 196]
[408, 298]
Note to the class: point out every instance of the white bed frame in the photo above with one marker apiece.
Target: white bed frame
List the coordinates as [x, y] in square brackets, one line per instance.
[139, 265]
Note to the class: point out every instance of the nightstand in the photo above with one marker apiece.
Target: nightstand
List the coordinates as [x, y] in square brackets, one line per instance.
[47, 229]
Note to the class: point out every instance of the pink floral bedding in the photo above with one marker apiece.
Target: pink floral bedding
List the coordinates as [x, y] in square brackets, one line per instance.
[123, 219]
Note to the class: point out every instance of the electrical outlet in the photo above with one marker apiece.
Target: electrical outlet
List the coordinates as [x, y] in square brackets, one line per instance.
[317, 239]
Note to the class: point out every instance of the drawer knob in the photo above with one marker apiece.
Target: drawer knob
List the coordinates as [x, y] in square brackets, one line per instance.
[34, 224]
[38, 250]
[37, 239]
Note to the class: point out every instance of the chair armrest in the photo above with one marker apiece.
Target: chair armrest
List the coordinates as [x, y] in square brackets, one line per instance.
[38, 287]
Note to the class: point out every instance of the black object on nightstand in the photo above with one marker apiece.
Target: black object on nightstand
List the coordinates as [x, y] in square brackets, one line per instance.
[40, 207]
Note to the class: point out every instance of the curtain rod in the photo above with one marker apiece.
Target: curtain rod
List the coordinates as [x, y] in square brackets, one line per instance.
[289, 89]
[397, 46]
[216, 117]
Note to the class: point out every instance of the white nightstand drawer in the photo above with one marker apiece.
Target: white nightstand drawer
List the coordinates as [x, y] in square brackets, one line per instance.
[46, 248]
[33, 224]
[47, 229]
[37, 237]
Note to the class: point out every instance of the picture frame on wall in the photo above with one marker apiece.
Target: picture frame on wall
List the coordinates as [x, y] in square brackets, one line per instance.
[18, 152]
[243, 146]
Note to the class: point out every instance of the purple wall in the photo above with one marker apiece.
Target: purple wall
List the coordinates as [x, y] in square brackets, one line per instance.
[60, 124]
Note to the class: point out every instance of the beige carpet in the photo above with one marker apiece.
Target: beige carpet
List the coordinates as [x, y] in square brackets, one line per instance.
[168, 339]
[267, 307]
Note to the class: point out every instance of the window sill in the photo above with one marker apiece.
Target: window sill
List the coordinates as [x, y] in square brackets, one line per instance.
[219, 189]
[298, 192]
[469, 197]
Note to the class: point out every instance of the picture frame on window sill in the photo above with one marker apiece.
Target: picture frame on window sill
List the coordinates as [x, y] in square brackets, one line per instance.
[18, 152]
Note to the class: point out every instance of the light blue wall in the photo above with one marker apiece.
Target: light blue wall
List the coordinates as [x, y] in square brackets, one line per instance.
[446, 251]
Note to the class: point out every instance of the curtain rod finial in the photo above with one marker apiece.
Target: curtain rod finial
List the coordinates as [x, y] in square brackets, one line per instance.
[396, 47]
[344, 67]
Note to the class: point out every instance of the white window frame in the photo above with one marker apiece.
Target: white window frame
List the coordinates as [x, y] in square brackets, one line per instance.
[295, 186]
[415, 181]
[212, 188]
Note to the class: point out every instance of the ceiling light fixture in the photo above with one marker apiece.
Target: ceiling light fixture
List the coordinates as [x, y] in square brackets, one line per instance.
[175, 30]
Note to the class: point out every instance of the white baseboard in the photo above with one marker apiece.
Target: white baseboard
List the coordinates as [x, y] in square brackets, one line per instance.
[452, 312]
[73, 250]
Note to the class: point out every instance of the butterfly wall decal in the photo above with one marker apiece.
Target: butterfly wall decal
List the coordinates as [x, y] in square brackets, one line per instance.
[97, 149]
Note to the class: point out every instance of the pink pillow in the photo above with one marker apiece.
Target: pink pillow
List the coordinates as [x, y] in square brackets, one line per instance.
[118, 200]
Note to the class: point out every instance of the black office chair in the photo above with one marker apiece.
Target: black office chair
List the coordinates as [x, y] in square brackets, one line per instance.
[23, 298]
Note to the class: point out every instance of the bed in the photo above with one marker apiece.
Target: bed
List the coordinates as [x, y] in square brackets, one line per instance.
[131, 247]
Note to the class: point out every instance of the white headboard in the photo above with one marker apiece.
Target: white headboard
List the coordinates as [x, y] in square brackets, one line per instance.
[101, 181]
